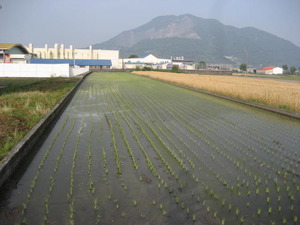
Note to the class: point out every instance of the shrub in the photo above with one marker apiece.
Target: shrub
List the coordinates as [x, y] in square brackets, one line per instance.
[147, 68]
[175, 69]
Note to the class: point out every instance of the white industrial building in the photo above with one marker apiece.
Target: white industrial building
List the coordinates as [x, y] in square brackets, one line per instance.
[60, 52]
[270, 70]
[148, 60]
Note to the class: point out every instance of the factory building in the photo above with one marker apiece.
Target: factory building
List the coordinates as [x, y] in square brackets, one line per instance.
[62, 53]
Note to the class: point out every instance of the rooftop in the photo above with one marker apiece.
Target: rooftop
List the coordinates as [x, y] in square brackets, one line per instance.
[10, 46]
[268, 68]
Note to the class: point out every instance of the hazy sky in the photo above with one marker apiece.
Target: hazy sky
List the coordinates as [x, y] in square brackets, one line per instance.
[86, 22]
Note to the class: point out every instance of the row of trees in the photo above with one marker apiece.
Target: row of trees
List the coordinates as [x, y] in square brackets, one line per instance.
[286, 69]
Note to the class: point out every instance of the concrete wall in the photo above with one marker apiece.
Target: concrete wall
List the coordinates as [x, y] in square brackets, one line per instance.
[34, 70]
[78, 71]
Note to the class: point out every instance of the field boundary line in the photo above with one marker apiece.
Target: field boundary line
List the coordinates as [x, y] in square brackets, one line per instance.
[284, 112]
[12, 161]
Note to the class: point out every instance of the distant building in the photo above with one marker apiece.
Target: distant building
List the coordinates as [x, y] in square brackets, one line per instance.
[184, 64]
[147, 60]
[13, 53]
[60, 52]
[221, 67]
[269, 70]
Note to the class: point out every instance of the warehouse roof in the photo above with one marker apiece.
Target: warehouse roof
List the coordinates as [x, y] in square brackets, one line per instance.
[78, 62]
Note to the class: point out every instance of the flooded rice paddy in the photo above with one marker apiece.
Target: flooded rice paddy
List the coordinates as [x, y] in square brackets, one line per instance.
[130, 150]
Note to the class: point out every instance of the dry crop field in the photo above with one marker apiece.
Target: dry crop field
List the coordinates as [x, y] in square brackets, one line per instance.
[131, 150]
[281, 94]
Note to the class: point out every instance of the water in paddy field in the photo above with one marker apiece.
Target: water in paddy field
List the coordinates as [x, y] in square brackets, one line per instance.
[130, 150]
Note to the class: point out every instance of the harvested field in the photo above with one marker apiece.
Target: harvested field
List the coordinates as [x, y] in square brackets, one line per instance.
[281, 94]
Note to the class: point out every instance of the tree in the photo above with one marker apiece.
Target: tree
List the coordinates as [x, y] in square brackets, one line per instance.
[133, 56]
[293, 69]
[175, 69]
[202, 65]
[243, 67]
[285, 68]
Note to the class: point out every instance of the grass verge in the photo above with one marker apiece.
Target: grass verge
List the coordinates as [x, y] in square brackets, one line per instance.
[24, 102]
[276, 93]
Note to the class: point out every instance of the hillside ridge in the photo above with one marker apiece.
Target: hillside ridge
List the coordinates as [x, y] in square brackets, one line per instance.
[207, 40]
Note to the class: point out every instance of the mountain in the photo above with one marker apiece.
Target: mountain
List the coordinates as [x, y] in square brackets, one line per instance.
[206, 40]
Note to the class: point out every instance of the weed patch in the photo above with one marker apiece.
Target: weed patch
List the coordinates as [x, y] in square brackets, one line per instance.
[24, 102]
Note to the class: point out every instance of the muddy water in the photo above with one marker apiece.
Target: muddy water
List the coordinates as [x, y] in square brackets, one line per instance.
[128, 150]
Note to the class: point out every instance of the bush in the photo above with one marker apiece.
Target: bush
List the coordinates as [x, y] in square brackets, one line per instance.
[147, 68]
[175, 69]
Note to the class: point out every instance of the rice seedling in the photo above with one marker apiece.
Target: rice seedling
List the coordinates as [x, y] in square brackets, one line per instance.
[215, 214]
[72, 213]
[24, 221]
[161, 206]
[223, 221]
[270, 210]
[116, 152]
[237, 212]
[187, 211]
[229, 207]
[96, 206]
[164, 212]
